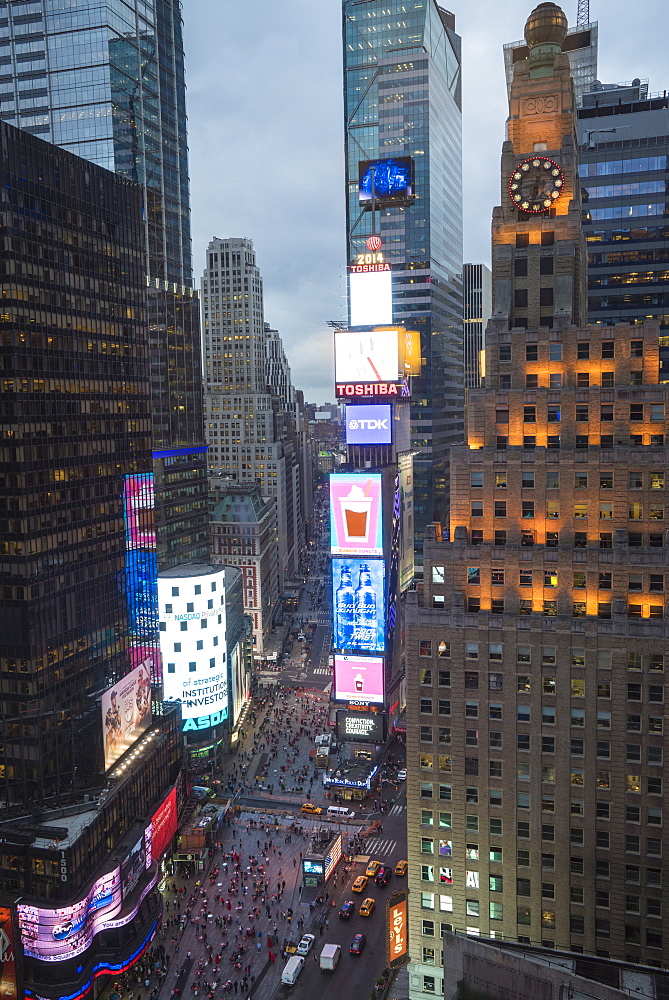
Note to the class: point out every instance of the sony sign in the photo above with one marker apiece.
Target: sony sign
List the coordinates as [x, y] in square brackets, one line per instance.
[369, 424]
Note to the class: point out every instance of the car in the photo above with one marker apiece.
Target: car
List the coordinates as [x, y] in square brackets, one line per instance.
[402, 775]
[306, 944]
[367, 907]
[360, 883]
[401, 868]
[382, 877]
[357, 944]
[372, 868]
[347, 910]
[309, 807]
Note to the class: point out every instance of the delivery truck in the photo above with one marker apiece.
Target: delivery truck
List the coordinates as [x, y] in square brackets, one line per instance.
[330, 956]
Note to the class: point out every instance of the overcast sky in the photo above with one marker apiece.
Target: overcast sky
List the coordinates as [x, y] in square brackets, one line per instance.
[265, 126]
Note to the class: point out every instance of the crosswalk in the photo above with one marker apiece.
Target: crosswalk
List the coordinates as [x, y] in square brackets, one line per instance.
[322, 670]
[380, 848]
[397, 810]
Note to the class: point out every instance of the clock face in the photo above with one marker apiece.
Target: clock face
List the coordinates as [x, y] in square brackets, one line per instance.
[535, 184]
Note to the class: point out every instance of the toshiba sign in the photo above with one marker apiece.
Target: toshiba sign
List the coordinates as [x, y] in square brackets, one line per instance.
[369, 424]
[344, 390]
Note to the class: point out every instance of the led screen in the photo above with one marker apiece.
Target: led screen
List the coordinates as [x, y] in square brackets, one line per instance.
[366, 355]
[369, 424]
[397, 930]
[385, 180]
[60, 933]
[361, 727]
[359, 678]
[163, 825]
[358, 592]
[140, 530]
[313, 867]
[126, 711]
[371, 300]
[133, 867]
[141, 574]
[7, 956]
[355, 514]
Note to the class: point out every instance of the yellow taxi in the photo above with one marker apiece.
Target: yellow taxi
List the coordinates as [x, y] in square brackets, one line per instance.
[359, 884]
[401, 868]
[367, 907]
[372, 868]
[309, 807]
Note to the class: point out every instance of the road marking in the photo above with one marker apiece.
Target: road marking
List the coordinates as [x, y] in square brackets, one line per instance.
[382, 848]
[396, 810]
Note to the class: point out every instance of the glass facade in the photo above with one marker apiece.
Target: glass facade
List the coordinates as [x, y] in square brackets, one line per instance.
[76, 416]
[402, 99]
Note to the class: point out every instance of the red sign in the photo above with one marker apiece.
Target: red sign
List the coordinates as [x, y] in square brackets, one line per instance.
[374, 243]
[363, 268]
[163, 825]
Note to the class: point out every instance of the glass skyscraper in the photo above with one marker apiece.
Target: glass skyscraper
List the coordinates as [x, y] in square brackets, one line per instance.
[402, 97]
[106, 81]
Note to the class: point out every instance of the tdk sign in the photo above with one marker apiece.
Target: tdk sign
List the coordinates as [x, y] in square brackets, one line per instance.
[369, 424]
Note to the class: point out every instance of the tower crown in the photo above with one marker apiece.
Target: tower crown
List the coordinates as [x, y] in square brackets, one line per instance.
[546, 25]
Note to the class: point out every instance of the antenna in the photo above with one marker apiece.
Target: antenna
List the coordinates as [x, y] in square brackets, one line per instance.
[583, 15]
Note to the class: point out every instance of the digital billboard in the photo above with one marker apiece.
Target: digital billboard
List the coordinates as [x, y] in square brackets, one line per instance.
[397, 930]
[141, 571]
[193, 644]
[358, 602]
[163, 825]
[370, 290]
[126, 712]
[385, 181]
[63, 932]
[138, 506]
[356, 523]
[8, 984]
[366, 355]
[133, 867]
[369, 424]
[358, 678]
[361, 727]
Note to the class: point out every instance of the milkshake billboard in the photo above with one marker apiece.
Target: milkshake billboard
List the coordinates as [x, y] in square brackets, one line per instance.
[358, 604]
[126, 712]
[356, 523]
[358, 678]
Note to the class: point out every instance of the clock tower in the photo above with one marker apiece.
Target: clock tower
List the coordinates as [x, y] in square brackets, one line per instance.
[538, 247]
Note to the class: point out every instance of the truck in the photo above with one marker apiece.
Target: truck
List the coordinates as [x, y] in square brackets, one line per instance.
[329, 957]
[293, 967]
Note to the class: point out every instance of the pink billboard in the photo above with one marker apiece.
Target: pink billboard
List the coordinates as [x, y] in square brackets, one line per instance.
[140, 525]
[356, 526]
[359, 679]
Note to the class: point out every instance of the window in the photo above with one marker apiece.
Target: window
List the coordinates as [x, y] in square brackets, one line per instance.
[520, 302]
[444, 650]
[554, 348]
[472, 651]
[529, 414]
[471, 680]
[500, 508]
[606, 412]
[429, 984]
[582, 380]
[477, 508]
[425, 647]
[527, 508]
[502, 415]
[444, 678]
[582, 412]
[546, 267]
[531, 350]
[545, 296]
[505, 352]
[553, 413]
[425, 676]
[555, 380]
[520, 267]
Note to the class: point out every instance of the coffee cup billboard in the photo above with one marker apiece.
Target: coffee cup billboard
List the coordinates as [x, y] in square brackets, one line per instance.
[359, 678]
[355, 514]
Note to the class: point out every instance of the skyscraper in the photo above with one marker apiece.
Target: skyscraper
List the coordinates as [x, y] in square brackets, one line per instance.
[402, 99]
[535, 730]
[250, 404]
[107, 83]
[624, 151]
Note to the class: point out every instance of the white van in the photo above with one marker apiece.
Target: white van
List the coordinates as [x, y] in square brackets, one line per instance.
[294, 966]
[323, 738]
[340, 812]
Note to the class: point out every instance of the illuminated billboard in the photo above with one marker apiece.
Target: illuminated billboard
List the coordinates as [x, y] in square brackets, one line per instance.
[347, 390]
[356, 524]
[358, 601]
[138, 507]
[361, 727]
[59, 933]
[8, 984]
[141, 570]
[164, 825]
[397, 930]
[193, 644]
[370, 290]
[366, 355]
[126, 712]
[358, 678]
[385, 181]
[406, 555]
[369, 424]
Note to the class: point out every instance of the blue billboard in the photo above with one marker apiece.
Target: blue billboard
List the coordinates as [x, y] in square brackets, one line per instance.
[358, 604]
[141, 574]
[371, 424]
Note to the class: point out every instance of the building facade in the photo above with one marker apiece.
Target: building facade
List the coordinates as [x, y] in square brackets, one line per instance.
[477, 309]
[244, 534]
[624, 156]
[535, 707]
[402, 98]
[250, 405]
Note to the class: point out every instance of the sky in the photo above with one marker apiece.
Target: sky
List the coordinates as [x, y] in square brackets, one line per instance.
[265, 129]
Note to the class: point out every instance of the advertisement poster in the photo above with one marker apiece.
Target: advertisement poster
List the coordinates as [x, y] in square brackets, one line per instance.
[140, 528]
[366, 355]
[356, 525]
[397, 931]
[8, 987]
[163, 825]
[406, 568]
[133, 867]
[141, 572]
[361, 727]
[126, 712]
[54, 935]
[385, 181]
[358, 602]
[359, 678]
[145, 653]
[370, 424]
